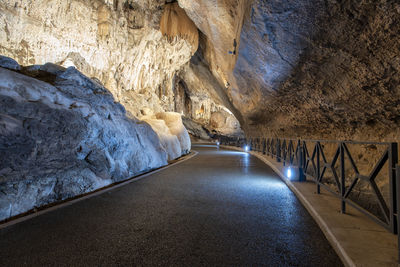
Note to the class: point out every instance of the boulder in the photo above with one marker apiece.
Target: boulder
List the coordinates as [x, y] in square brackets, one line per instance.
[9, 63]
[225, 123]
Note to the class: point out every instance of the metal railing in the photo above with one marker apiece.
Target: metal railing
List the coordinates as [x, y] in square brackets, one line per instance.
[310, 157]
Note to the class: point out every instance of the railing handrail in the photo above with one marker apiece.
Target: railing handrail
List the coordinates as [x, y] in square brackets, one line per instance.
[331, 141]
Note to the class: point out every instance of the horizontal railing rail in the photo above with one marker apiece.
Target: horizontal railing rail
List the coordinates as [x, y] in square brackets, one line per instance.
[313, 163]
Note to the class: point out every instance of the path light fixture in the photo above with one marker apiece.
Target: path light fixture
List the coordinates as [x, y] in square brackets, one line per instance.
[289, 173]
[246, 148]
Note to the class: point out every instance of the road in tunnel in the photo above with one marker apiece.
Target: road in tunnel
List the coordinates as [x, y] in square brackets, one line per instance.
[219, 208]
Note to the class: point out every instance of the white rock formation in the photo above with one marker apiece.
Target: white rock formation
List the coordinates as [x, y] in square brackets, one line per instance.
[172, 133]
[169, 141]
[63, 139]
[174, 122]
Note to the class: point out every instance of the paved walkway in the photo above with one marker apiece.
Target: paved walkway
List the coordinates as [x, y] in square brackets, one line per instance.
[220, 208]
[357, 239]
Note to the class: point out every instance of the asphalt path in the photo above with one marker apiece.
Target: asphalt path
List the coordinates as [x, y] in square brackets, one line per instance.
[219, 208]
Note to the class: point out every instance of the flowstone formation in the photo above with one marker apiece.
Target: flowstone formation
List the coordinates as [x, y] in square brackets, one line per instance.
[171, 131]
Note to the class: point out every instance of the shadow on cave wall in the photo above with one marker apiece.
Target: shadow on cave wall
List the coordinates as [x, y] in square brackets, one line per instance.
[330, 74]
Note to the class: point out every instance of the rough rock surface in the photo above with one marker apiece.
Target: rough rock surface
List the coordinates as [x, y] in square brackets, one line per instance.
[136, 48]
[169, 142]
[174, 122]
[118, 42]
[195, 129]
[220, 21]
[205, 95]
[9, 63]
[58, 141]
[176, 24]
[325, 69]
[223, 122]
[321, 69]
[171, 131]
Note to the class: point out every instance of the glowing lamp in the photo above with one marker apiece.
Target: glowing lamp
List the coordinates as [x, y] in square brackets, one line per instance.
[289, 173]
[246, 148]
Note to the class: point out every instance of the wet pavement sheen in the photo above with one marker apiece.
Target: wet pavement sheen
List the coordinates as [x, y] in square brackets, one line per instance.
[219, 208]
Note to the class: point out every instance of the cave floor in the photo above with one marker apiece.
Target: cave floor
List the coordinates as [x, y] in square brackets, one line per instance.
[219, 208]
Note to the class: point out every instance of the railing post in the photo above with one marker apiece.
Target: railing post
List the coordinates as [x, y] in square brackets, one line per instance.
[393, 159]
[318, 168]
[264, 146]
[300, 159]
[278, 150]
[397, 211]
[284, 152]
[342, 179]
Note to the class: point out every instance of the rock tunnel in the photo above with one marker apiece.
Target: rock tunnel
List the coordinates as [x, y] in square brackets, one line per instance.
[94, 92]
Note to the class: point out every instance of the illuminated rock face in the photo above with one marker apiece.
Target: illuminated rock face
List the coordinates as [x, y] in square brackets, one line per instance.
[118, 42]
[174, 122]
[225, 123]
[137, 49]
[176, 24]
[66, 138]
[220, 21]
[207, 97]
[320, 69]
[281, 67]
[173, 135]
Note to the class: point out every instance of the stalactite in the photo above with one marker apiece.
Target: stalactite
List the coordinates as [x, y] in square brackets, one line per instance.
[175, 23]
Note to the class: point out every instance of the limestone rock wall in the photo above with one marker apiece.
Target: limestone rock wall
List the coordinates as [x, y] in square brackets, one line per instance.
[118, 42]
[204, 95]
[319, 69]
[220, 21]
[136, 48]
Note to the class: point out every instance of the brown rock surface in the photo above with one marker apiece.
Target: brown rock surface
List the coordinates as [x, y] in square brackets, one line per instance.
[221, 22]
[322, 69]
[175, 23]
